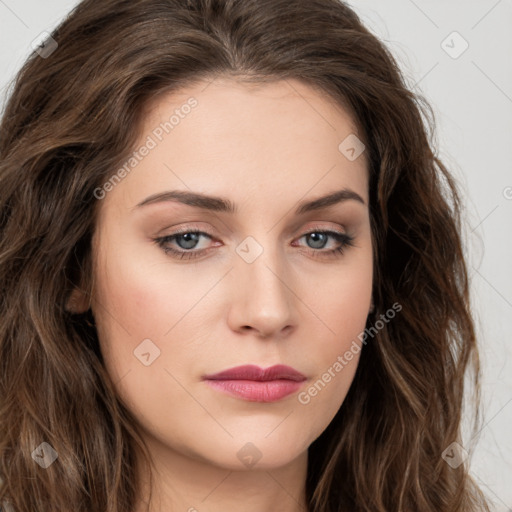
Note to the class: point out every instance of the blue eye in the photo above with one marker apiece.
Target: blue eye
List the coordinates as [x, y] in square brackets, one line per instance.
[320, 237]
[188, 240]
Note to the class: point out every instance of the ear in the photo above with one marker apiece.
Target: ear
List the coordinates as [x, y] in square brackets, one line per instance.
[78, 302]
[372, 307]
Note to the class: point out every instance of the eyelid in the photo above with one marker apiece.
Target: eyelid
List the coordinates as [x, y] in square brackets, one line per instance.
[196, 229]
[321, 227]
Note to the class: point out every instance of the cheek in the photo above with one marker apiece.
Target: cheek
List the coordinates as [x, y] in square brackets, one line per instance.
[341, 304]
[335, 355]
[153, 301]
[140, 309]
[145, 300]
[340, 297]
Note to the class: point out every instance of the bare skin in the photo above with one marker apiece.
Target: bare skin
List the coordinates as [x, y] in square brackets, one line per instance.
[266, 149]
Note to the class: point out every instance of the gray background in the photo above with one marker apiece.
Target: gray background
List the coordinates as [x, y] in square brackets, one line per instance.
[471, 93]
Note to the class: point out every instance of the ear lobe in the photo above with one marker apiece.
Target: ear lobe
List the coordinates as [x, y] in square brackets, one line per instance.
[77, 302]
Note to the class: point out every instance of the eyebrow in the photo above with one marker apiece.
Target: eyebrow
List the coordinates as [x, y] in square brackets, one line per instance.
[223, 205]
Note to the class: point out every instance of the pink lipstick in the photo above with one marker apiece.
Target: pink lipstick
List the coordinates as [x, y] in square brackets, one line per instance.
[255, 384]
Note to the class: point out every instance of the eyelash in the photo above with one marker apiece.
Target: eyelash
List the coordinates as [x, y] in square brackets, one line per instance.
[344, 239]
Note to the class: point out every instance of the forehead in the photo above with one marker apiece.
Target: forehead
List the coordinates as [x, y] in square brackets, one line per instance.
[230, 138]
[223, 106]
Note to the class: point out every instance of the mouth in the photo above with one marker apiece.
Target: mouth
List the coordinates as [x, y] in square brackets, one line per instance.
[254, 384]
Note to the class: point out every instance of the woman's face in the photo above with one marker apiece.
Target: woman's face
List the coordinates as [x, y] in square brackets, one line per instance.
[260, 285]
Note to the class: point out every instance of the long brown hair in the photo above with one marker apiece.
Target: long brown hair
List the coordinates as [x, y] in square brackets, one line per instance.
[71, 120]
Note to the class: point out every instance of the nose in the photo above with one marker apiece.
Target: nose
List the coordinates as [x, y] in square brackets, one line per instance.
[263, 298]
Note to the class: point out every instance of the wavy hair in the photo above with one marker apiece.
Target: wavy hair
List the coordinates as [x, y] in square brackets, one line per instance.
[73, 117]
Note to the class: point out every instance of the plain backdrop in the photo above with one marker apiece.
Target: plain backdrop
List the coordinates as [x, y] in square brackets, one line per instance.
[457, 54]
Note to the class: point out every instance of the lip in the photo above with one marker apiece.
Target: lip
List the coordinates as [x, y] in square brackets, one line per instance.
[255, 384]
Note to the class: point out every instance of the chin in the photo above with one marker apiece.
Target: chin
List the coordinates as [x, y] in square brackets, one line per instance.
[265, 454]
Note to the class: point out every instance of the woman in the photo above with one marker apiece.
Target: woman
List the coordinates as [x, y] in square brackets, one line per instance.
[231, 269]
